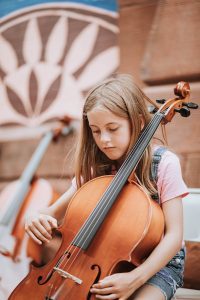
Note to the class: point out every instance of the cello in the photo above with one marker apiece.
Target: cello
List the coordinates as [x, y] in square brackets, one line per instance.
[16, 199]
[96, 221]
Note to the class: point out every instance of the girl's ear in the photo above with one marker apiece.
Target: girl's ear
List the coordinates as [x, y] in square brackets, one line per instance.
[142, 122]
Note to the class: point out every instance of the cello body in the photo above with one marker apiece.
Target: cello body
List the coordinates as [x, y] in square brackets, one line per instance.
[16, 199]
[17, 250]
[129, 233]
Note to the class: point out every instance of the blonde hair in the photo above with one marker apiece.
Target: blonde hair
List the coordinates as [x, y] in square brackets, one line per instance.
[123, 97]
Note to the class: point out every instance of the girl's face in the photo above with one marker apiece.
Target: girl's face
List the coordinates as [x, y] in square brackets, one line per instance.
[111, 133]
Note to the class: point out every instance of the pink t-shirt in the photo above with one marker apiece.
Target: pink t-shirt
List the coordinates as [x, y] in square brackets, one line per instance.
[170, 183]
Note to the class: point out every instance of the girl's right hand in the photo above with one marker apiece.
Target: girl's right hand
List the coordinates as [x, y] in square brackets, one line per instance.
[39, 227]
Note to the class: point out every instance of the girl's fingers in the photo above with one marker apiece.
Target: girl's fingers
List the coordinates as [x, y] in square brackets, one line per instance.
[34, 237]
[103, 284]
[106, 297]
[104, 291]
[38, 227]
[47, 225]
[39, 235]
[53, 222]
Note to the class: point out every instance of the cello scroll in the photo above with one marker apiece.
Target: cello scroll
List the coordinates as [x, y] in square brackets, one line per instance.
[180, 104]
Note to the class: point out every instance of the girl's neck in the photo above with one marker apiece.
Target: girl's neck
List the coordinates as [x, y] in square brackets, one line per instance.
[119, 162]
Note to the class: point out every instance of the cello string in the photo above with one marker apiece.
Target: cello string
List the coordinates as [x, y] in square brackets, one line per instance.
[105, 202]
[48, 296]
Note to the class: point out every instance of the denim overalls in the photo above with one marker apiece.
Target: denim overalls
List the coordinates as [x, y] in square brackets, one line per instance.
[169, 278]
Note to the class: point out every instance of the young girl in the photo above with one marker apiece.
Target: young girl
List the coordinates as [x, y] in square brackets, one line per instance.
[114, 114]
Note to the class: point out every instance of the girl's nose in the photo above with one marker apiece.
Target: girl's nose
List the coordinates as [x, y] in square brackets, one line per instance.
[105, 137]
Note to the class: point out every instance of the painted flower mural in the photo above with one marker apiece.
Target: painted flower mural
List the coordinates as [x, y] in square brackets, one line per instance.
[50, 56]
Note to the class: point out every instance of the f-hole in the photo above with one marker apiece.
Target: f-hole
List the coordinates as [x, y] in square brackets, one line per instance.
[93, 267]
[122, 267]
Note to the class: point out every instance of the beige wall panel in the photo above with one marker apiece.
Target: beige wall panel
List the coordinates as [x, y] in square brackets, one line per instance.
[134, 22]
[159, 42]
[57, 160]
[172, 51]
[191, 169]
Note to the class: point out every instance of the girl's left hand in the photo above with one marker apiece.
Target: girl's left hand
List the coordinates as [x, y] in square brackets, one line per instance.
[117, 286]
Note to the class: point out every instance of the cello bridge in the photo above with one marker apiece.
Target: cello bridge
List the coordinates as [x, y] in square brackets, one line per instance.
[65, 274]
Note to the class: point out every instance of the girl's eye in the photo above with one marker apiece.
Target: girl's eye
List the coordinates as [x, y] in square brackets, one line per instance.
[113, 129]
[95, 132]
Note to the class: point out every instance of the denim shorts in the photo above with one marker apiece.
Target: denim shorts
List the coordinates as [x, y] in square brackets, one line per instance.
[170, 278]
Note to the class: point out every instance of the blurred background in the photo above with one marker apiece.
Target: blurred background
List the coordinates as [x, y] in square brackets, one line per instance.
[53, 52]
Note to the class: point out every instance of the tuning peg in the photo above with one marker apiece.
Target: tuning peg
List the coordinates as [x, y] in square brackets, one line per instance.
[160, 101]
[152, 109]
[191, 105]
[184, 112]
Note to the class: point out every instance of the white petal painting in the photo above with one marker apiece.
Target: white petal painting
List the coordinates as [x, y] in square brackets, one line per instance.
[8, 58]
[96, 71]
[32, 46]
[21, 76]
[61, 52]
[56, 42]
[81, 48]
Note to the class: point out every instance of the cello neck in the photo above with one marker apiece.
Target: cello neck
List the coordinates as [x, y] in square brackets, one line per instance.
[94, 221]
[9, 218]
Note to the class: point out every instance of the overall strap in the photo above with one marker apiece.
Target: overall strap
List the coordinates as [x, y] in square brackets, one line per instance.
[157, 155]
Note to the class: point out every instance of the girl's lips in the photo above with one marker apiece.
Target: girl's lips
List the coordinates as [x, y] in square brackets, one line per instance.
[109, 148]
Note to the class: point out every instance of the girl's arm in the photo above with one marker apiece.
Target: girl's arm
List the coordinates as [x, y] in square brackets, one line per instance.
[39, 224]
[171, 242]
[125, 284]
